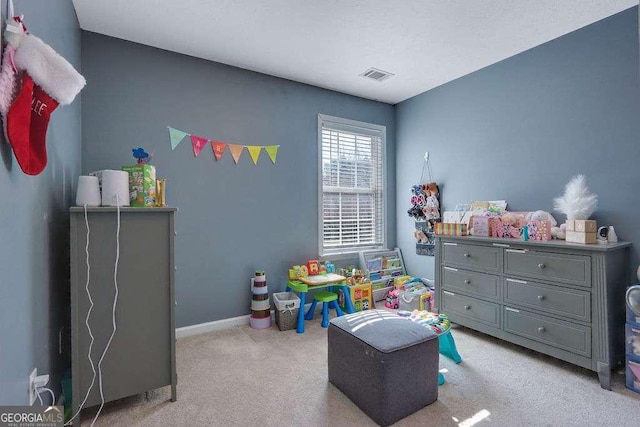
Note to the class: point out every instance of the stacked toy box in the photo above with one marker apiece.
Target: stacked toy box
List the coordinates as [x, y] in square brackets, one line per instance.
[632, 334]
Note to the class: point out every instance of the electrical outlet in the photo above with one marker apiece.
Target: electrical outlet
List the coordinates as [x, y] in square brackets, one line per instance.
[32, 386]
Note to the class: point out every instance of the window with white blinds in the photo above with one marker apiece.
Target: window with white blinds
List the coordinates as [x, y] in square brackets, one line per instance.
[352, 185]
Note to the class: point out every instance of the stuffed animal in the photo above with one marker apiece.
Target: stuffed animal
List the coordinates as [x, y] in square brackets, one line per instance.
[559, 232]
[541, 216]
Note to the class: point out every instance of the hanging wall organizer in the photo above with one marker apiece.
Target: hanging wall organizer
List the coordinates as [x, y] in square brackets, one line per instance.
[425, 209]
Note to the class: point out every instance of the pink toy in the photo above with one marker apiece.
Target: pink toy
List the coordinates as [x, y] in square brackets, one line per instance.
[392, 299]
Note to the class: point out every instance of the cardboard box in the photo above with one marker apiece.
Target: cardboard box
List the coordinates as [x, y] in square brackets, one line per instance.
[580, 237]
[585, 225]
[142, 185]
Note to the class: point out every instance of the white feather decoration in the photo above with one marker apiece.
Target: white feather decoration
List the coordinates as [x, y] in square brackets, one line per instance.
[577, 202]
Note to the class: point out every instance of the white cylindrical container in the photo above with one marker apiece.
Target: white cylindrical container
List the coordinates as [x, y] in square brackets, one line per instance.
[88, 191]
[115, 188]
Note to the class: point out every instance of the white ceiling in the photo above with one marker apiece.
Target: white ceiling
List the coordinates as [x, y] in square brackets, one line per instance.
[329, 43]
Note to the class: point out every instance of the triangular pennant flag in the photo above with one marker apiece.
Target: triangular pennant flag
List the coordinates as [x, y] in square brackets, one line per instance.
[272, 151]
[236, 150]
[176, 137]
[218, 148]
[198, 143]
[254, 151]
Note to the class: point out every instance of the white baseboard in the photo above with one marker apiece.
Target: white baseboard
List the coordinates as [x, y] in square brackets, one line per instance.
[217, 325]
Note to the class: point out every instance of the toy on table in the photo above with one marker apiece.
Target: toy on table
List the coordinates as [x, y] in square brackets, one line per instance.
[313, 267]
[330, 267]
[298, 271]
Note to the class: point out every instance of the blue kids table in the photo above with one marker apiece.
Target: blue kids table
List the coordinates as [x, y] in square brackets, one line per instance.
[317, 282]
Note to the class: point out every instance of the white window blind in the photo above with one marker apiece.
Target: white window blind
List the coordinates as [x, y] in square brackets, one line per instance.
[352, 184]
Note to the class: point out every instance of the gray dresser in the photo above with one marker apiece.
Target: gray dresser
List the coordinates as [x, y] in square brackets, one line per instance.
[562, 299]
[141, 356]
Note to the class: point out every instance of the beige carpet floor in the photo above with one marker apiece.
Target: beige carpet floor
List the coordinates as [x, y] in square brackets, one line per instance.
[243, 377]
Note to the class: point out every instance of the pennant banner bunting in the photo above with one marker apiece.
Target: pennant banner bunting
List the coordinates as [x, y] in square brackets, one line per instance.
[176, 136]
[272, 151]
[254, 151]
[236, 150]
[218, 149]
[198, 143]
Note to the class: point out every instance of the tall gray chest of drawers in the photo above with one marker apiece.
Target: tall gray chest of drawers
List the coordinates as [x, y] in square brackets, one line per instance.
[562, 299]
[141, 356]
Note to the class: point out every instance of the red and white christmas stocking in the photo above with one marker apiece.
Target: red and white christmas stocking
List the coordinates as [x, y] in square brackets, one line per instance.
[47, 81]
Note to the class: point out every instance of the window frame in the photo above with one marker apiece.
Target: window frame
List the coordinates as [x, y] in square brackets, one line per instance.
[362, 128]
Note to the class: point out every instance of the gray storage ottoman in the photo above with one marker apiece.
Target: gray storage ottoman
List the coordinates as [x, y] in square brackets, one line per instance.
[386, 364]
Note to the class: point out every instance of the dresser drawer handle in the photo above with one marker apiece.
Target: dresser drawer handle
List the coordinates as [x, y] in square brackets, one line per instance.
[467, 281]
[541, 329]
[541, 266]
[541, 297]
[466, 255]
[467, 307]
[500, 245]
[516, 251]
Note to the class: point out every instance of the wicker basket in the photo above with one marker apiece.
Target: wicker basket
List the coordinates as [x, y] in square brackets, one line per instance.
[287, 305]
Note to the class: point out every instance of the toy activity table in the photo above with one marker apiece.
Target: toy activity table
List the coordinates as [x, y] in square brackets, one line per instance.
[303, 284]
[441, 325]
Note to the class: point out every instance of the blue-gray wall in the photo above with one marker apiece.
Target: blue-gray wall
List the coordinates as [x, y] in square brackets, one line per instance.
[232, 219]
[520, 129]
[34, 228]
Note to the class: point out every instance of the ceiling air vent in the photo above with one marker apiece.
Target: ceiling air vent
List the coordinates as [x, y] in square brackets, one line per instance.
[377, 75]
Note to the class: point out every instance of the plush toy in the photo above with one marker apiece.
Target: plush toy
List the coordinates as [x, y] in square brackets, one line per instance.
[541, 216]
[559, 232]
